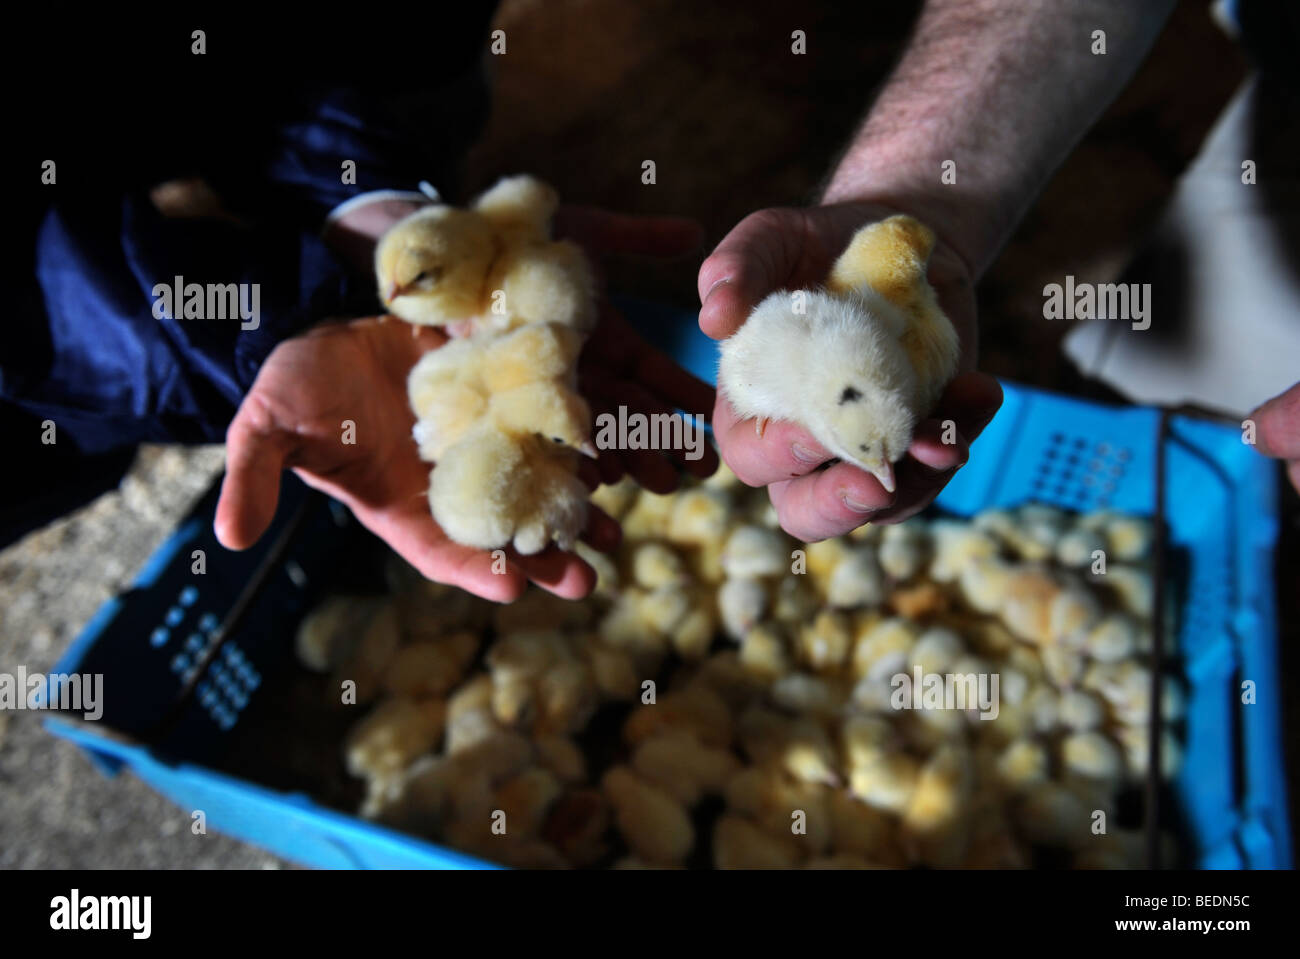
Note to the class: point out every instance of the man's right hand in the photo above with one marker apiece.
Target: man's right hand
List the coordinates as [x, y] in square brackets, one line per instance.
[791, 248]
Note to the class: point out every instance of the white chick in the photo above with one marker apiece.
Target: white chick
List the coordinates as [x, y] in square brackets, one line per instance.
[1076, 547]
[491, 489]
[800, 745]
[566, 698]
[875, 344]
[742, 601]
[654, 824]
[836, 368]
[904, 549]
[753, 551]
[857, 580]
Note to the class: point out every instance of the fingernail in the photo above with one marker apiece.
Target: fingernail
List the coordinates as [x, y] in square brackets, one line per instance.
[804, 455]
[716, 283]
[857, 507]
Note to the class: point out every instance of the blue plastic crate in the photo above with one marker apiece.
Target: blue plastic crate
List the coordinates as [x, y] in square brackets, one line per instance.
[1220, 517]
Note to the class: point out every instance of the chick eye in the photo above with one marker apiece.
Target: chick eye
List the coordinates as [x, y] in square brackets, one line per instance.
[849, 395]
[865, 447]
[556, 439]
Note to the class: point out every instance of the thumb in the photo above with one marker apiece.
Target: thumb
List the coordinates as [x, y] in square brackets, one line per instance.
[250, 490]
[1277, 425]
[750, 262]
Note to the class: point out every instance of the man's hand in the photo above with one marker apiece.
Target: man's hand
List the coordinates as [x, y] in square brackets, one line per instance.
[796, 248]
[293, 417]
[1277, 431]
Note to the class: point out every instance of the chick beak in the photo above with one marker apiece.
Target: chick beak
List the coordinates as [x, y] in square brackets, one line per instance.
[394, 291]
[587, 448]
[884, 472]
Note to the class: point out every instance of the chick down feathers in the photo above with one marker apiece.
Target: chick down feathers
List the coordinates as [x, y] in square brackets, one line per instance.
[858, 363]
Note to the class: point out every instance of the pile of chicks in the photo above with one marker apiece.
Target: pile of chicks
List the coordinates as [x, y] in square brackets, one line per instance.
[746, 678]
[497, 407]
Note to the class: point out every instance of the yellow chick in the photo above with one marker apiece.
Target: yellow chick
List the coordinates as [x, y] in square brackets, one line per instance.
[655, 826]
[764, 652]
[566, 698]
[368, 660]
[811, 695]
[393, 734]
[548, 410]
[655, 564]
[696, 709]
[857, 581]
[955, 545]
[825, 642]
[739, 844]
[1023, 763]
[447, 394]
[742, 602]
[936, 812]
[562, 757]
[753, 551]
[1112, 639]
[431, 667]
[697, 516]
[904, 549]
[782, 807]
[613, 670]
[491, 490]
[985, 583]
[883, 648]
[526, 799]
[683, 767]
[330, 632]
[432, 267]
[693, 634]
[793, 601]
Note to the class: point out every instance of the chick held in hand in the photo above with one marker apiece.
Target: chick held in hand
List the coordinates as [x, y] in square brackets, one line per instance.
[858, 364]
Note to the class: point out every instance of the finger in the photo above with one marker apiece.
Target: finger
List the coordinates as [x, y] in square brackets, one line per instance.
[1277, 425]
[969, 403]
[754, 259]
[250, 490]
[603, 532]
[828, 503]
[784, 451]
[617, 234]
[564, 574]
[673, 384]
[971, 400]
[412, 532]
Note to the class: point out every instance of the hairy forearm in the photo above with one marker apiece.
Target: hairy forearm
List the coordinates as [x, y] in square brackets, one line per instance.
[1002, 88]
